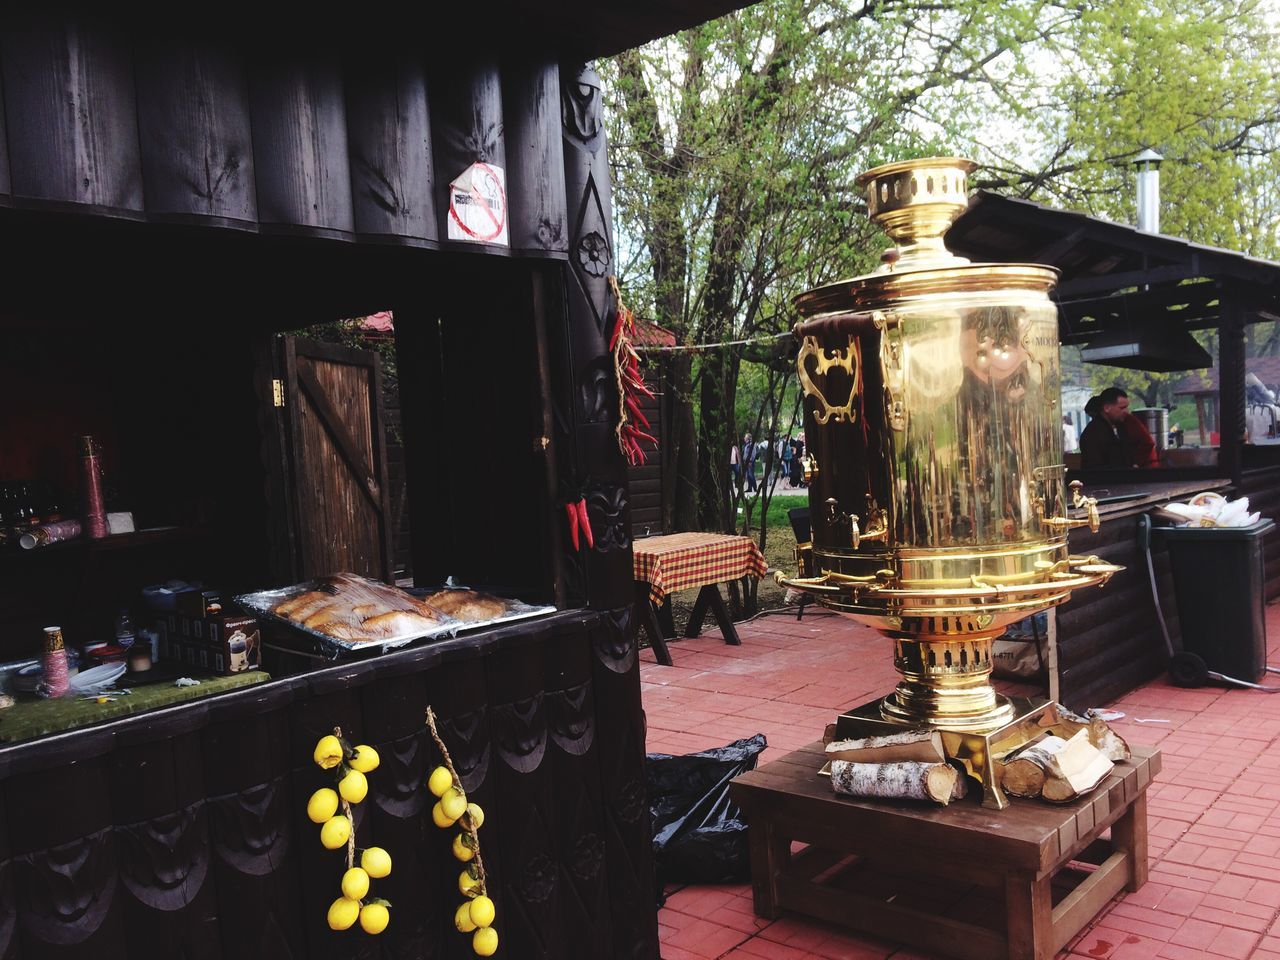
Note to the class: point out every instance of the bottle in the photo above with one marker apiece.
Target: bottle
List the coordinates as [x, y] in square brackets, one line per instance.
[95, 514]
[125, 634]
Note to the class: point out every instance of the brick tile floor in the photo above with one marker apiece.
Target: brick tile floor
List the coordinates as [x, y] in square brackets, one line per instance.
[1214, 811]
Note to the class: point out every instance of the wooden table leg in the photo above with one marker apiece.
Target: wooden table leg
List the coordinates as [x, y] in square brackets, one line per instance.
[666, 622]
[698, 615]
[1129, 834]
[647, 619]
[1028, 917]
[770, 856]
[721, 613]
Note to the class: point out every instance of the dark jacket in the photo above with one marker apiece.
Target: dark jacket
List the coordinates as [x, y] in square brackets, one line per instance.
[1129, 445]
[1101, 447]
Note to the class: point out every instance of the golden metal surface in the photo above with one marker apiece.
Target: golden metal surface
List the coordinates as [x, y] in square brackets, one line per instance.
[940, 517]
[848, 359]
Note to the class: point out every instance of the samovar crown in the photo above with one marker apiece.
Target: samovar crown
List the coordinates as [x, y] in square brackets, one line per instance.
[915, 202]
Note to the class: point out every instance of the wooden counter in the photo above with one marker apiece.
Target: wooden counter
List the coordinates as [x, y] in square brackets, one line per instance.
[183, 832]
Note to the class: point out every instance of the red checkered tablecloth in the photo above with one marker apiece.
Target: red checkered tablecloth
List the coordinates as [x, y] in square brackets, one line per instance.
[680, 561]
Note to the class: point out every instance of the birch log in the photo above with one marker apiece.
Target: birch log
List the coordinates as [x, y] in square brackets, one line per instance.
[924, 746]
[911, 780]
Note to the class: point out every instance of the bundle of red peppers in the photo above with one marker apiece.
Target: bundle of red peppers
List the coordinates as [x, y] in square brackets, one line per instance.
[631, 385]
[579, 522]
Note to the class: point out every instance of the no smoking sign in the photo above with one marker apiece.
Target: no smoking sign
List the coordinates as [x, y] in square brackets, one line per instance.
[478, 205]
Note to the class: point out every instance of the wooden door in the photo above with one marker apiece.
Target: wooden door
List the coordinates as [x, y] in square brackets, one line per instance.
[335, 460]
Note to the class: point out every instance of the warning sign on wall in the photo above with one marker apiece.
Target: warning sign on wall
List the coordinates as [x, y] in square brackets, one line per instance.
[478, 205]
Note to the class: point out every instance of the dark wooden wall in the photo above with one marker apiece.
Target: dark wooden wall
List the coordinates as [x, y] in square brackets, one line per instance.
[334, 137]
[1109, 640]
[1262, 486]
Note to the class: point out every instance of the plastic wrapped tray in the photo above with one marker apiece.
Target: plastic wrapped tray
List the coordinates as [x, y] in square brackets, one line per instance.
[514, 609]
[387, 599]
[264, 604]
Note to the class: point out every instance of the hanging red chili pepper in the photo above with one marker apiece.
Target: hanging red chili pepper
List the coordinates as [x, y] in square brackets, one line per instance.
[631, 385]
[571, 511]
[584, 522]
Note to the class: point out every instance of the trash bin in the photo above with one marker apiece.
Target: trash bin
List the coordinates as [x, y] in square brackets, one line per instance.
[1218, 578]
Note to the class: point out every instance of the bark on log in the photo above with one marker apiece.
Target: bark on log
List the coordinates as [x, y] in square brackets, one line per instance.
[1056, 769]
[900, 781]
[1112, 745]
[923, 746]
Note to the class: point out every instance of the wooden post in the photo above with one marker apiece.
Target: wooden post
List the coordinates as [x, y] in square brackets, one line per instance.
[1231, 385]
[1029, 916]
[1129, 834]
[770, 856]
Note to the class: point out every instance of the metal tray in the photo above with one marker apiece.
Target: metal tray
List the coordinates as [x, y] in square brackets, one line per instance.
[262, 602]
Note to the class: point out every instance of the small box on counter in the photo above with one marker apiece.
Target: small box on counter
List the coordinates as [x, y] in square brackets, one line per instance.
[236, 643]
[195, 603]
[221, 644]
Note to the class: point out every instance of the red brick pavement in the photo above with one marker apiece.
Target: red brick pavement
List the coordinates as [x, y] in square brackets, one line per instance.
[1214, 811]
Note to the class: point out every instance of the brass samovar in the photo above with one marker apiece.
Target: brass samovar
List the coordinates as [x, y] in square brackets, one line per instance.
[936, 479]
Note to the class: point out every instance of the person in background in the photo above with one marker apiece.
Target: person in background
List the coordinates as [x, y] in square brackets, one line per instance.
[1115, 438]
[1070, 436]
[797, 470]
[735, 464]
[749, 461]
[784, 458]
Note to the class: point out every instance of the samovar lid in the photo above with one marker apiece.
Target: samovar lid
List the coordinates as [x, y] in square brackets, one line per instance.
[915, 202]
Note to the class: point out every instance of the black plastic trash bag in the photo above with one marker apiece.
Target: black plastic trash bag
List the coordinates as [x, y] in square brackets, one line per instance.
[698, 836]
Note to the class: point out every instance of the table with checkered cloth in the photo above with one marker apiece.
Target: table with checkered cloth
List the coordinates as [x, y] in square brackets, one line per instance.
[680, 561]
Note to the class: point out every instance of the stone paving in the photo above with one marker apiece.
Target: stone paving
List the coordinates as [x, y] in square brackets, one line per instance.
[1214, 811]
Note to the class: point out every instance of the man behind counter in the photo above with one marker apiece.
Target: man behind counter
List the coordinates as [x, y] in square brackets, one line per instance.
[1115, 438]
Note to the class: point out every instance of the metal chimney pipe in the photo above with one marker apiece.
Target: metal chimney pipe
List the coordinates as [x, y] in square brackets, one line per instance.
[1148, 164]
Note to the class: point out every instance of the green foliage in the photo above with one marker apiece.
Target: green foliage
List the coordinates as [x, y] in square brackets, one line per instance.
[735, 148]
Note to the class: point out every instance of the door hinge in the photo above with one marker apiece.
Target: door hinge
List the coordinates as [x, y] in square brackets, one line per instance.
[277, 393]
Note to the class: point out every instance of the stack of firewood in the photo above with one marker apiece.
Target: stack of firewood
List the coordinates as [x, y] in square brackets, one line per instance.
[1061, 765]
[1063, 768]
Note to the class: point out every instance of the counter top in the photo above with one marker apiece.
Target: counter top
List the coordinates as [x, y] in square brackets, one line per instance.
[29, 719]
[1143, 494]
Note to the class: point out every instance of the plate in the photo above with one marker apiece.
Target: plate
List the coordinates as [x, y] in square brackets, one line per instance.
[97, 678]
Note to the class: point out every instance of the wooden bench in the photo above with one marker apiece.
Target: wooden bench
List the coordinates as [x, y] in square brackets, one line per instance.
[960, 880]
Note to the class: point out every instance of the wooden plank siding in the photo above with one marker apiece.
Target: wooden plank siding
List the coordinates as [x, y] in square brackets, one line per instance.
[646, 480]
[1262, 487]
[1109, 639]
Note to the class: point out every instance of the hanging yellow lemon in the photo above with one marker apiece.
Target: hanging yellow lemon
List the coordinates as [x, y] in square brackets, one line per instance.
[376, 862]
[353, 786]
[462, 918]
[366, 759]
[322, 805]
[328, 752]
[355, 883]
[482, 911]
[468, 884]
[374, 918]
[485, 942]
[335, 832]
[440, 781]
[343, 913]
[454, 803]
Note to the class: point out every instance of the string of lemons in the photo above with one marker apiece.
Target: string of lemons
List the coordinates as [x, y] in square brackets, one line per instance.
[349, 765]
[474, 915]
